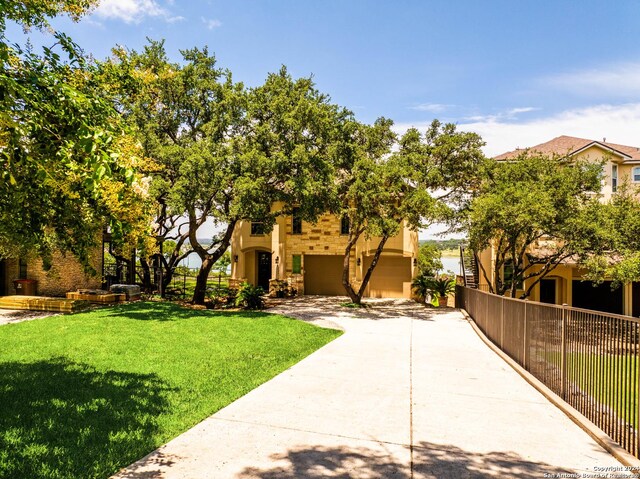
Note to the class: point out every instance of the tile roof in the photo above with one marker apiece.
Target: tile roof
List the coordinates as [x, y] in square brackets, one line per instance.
[568, 144]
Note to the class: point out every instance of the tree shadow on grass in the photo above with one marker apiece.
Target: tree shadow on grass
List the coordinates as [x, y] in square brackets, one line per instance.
[61, 419]
[167, 311]
[431, 461]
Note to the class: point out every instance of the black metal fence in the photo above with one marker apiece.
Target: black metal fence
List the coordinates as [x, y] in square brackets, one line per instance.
[182, 282]
[588, 358]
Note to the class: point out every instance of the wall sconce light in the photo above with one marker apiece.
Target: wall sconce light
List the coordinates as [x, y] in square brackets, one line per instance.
[358, 262]
[415, 261]
[235, 259]
[277, 259]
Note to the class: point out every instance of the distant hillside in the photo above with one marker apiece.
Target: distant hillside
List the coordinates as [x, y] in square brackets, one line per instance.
[448, 244]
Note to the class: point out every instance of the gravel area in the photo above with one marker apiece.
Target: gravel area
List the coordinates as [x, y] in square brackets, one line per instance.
[8, 316]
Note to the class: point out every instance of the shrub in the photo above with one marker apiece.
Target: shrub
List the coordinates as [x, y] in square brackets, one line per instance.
[441, 286]
[222, 296]
[250, 297]
[280, 289]
[422, 286]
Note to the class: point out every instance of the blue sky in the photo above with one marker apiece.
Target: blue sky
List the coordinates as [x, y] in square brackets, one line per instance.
[517, 72]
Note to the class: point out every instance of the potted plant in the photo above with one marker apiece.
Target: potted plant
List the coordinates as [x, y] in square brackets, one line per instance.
[441, 287]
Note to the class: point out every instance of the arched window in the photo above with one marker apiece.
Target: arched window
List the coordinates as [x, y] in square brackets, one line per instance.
[635, 174]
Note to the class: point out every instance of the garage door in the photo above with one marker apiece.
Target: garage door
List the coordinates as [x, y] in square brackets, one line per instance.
[323, 275]
[389, 276]
[600, 297]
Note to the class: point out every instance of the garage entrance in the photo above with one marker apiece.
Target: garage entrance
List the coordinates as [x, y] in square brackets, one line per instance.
[323, 275]
[387, 280]
[599, 298]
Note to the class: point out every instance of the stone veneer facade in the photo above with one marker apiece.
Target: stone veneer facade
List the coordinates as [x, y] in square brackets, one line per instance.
[322, 238]
[66, 274]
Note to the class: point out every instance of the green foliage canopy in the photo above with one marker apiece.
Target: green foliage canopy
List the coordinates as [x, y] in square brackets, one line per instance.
[535, 211]
[67, 162]
[226, 153]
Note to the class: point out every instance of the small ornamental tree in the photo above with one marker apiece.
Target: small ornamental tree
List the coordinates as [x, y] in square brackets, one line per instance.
[429, 259]
[534, 211]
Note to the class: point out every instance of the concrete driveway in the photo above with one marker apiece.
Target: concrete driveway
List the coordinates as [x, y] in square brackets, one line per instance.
[406, 392]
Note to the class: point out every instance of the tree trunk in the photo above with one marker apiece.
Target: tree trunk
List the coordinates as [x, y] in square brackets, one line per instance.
[147, 285]
[374, 263]
[200, 291]
[346, 265]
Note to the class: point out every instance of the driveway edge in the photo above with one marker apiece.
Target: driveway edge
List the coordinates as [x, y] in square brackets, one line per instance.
[585, 424]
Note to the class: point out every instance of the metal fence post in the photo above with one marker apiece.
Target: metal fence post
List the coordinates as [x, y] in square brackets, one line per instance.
[524, 352]
[563, 354]
[502, 322]
[486, 313]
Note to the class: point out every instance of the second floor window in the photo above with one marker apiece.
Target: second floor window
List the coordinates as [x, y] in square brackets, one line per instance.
[635, 174]
[296, 222]
[614, 178]
[257, 228]
[344, 225]
[22, 268]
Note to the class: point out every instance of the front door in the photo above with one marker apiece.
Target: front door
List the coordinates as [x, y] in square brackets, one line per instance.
[548, 291]
[3, 279]
[264, 270]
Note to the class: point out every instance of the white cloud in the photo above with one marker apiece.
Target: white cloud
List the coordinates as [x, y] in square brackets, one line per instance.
[431, 107]
[616, 123]
[134, 11]
[510, 114]
[617, 80]
[211, 23]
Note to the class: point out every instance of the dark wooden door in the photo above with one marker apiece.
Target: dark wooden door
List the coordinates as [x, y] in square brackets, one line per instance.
[635, 295]
[548, 291]
[264, 270]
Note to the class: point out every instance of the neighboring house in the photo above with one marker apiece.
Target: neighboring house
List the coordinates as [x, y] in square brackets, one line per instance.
[310, 257]
[66, 274]
[564, 284]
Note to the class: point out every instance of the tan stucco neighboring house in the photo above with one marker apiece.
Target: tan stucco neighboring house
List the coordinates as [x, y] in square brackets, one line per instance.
[310, 257]
[565, 283]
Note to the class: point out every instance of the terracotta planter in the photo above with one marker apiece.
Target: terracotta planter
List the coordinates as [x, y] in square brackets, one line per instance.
[442, 301]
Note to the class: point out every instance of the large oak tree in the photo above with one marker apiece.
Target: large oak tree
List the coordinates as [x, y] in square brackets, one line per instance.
[535, 211]
[67, 161]
[420, 183]
[226, 153]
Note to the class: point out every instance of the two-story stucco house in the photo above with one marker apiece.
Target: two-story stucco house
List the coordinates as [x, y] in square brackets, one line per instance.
[310, 257]
[565, 283]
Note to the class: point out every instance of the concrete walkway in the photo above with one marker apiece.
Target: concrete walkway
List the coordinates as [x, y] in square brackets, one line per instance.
[406, 392]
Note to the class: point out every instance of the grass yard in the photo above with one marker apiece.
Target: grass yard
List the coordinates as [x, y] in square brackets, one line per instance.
[82, 396]
[608, 378]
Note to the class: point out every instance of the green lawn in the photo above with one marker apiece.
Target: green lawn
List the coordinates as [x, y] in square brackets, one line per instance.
[609, 378]
[83, 395]
[617, 389]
